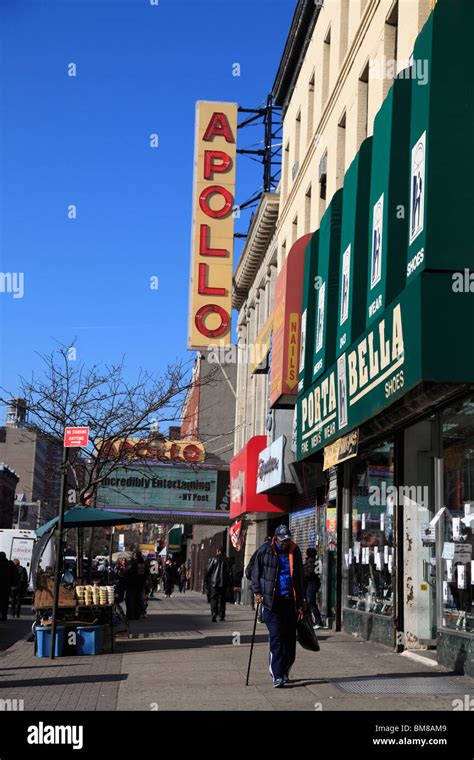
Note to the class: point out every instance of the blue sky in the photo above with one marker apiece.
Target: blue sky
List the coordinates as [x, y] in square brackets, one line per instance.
[84, 140]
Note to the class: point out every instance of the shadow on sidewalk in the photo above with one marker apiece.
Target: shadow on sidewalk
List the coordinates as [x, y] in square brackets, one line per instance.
[124, 646]
[64, 681]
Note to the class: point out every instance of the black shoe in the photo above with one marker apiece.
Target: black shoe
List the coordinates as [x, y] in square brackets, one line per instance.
[222, 618]
[214, 619]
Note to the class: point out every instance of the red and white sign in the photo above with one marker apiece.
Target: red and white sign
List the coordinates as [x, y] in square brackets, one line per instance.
[76, 437]
[236, 535]
[244, 498]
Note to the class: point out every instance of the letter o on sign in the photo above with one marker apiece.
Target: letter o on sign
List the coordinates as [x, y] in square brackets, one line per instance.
[207, 194]
[201, 315]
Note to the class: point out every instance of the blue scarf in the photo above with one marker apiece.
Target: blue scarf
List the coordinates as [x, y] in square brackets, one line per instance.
[284, 582]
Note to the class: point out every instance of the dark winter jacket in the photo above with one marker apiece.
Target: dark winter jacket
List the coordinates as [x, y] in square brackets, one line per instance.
[265, 573]
[218, 573]
[8, 575]
[21, 580]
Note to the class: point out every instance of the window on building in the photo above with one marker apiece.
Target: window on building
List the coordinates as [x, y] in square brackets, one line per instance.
[458, 524]
[390, 47]
[370, 553]
[296, 163]
[294, 230]
[326, 67]
[323, 169]
[341, 151]
[363, 105]
[310, 124]
[307, 211]
[286, 164]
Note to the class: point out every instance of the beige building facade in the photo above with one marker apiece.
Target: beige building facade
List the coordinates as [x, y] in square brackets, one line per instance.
[332, 81]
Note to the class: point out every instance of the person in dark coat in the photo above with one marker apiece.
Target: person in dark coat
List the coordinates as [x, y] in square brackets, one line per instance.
[8, 577]
[19, 587]
[278, 584]
[218, 579]
[312, 585]
[169, 578]
[136, 576]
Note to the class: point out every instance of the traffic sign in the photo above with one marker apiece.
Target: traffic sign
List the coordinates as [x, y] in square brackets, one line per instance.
[76, 437]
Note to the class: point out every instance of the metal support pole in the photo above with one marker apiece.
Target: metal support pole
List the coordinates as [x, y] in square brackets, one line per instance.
[89, 566]
[59, 551]
[111, 550]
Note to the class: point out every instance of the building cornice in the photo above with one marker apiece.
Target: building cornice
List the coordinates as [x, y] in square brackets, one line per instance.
[299, 36]
[259, 237]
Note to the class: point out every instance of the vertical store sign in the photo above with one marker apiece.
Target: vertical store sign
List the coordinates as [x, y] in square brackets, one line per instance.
[287, 326]
[212, 242]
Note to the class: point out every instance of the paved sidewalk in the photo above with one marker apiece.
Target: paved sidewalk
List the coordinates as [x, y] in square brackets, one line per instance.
[177, 659]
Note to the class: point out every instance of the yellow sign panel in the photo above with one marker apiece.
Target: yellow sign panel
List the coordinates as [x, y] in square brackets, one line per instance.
[342, 449]
[212, 244]
[293, 350]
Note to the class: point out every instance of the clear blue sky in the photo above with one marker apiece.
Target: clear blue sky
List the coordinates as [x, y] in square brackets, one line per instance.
[85, 141]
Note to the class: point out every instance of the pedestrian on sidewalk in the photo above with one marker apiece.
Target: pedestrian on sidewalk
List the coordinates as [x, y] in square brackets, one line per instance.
[182, 578]
[217, 580]
[136, 576]
[8, 577]
[153, 577]
[19, 587]
[278, 584]
[169, 578]
[312, 583]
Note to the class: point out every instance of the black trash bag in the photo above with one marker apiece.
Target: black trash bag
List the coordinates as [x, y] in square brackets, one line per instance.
[306, 634]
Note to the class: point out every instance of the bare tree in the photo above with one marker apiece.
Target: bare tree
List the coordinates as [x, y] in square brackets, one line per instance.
[115, 410]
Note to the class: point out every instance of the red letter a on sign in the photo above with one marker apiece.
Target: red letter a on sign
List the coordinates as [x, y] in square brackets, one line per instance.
[218, 126]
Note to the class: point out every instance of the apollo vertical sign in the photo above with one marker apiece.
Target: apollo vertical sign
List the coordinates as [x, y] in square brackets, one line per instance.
[213, 225]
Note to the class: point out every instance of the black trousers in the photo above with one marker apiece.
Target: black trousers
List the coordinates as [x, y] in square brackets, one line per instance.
[218, 599]
[4, 598]
[281, 624]
[17, 595]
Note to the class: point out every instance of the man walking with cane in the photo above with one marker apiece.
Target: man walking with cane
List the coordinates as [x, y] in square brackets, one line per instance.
[278, 584]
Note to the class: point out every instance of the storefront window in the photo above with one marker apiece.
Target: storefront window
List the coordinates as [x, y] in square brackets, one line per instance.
[370, 555]
[458, 521]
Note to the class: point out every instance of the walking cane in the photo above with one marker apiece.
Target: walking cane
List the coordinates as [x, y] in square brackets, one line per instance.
[251, 646]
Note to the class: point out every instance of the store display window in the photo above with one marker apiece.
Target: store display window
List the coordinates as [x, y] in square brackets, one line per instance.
[370, 555]
[458, 519]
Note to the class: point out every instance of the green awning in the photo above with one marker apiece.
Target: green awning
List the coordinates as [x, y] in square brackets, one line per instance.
[388, 200]
[307, 313]
[441, 150]
[327, 287]
[354, 245]
[82, 517]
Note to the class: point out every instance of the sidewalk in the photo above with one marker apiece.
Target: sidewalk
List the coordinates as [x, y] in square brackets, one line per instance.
[176, 659]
